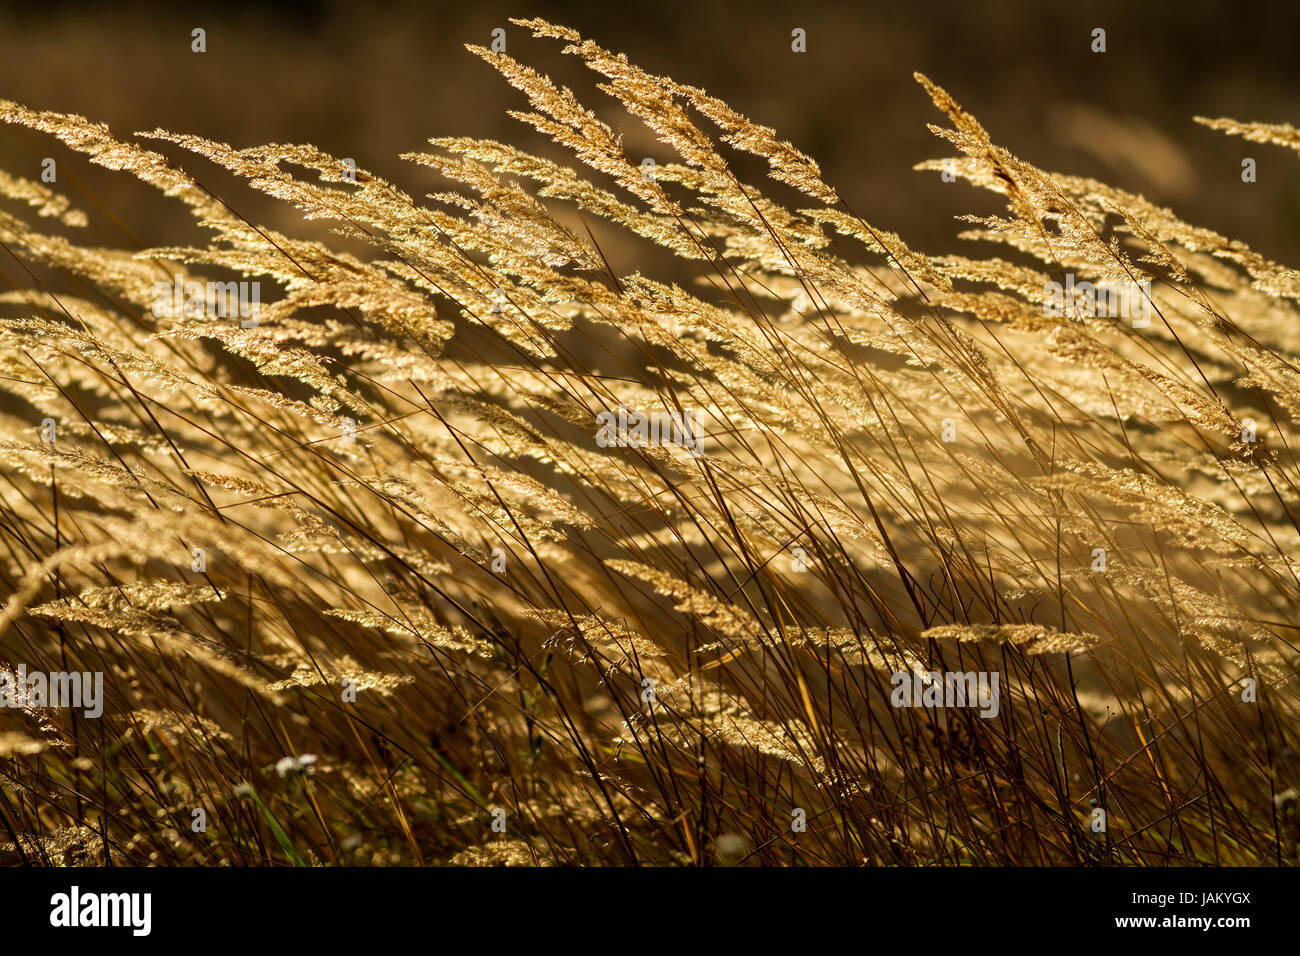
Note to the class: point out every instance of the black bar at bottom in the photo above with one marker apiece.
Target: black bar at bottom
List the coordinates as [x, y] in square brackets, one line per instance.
[647, 907]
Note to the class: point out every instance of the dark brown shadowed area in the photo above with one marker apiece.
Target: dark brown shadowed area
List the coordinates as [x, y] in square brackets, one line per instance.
[373, 80]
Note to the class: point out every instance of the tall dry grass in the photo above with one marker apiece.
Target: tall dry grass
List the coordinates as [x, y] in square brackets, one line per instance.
[420, 568]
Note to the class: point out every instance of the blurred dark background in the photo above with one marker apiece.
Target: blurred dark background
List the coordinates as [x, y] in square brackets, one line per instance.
[369, 80]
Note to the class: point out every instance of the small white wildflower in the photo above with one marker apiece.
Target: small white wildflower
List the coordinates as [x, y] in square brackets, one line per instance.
[304, 764]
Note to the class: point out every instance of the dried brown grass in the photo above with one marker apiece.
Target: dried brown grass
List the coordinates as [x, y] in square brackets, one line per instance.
[502, 593]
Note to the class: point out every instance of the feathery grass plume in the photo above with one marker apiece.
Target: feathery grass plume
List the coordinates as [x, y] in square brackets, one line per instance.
[372, 579]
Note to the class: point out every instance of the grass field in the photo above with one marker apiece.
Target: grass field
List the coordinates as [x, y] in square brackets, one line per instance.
[651, 509]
